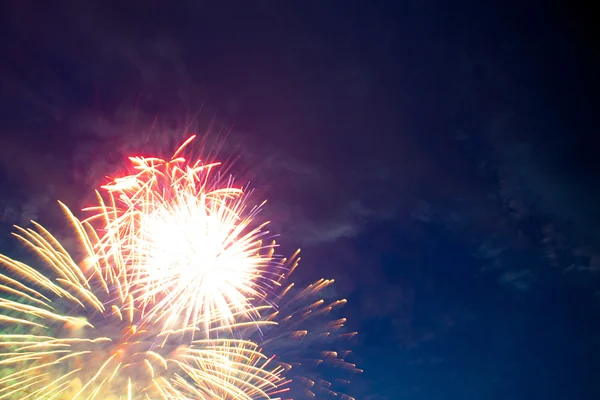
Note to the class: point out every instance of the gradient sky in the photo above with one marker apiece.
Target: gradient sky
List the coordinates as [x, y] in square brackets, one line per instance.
[437, 158]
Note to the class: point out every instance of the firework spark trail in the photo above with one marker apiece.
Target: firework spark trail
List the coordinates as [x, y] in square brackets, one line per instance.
[185, 244]
[307, 337]
[70, 334]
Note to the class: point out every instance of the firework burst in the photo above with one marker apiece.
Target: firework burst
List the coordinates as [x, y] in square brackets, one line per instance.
[184, 243]
[179, 296]
[70, 334]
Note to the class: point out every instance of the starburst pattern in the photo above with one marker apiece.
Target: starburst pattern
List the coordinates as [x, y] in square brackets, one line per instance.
[184, 243]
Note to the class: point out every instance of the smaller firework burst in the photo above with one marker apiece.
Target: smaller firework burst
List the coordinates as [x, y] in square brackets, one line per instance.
[309, 336]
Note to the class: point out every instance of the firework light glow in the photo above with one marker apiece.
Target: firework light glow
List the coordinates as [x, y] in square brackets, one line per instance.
[179, 295]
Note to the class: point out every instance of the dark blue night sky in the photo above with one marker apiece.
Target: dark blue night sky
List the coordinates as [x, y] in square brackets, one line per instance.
[437, 158]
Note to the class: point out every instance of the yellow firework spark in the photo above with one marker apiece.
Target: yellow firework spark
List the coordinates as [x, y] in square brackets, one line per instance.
[70, 334]
[184, 243]
[229, 369]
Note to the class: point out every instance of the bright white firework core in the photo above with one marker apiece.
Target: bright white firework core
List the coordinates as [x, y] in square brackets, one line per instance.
[193, 248]
[186, 244]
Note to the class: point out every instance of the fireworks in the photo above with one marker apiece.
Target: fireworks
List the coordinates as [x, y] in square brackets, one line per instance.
[179, 294]
[95, 350]
[184, 243]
